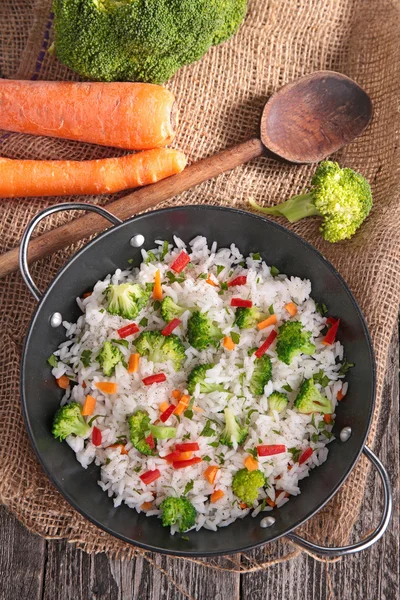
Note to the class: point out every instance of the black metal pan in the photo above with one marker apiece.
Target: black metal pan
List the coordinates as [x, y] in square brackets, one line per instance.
[112, 249]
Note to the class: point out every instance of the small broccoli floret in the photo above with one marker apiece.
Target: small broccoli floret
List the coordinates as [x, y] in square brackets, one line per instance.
[245, 318]
[233, 430]
[178, 511]
[277, 401]
[309, 399]
[202, 332]
[170, 310]
[261, 375]
[197, 376]
[292, 340]
[139, 429]
[68, 419]
[108, 357]
[246, 485]
[341, 197]
[160, 348]
[126, 299]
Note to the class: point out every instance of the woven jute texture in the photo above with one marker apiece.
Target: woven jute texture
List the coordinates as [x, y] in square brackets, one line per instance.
[220, 100]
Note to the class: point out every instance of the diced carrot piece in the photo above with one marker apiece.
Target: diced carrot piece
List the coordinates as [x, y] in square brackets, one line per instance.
[121, 447]
[228, 343]
[243, 505]
[89, 406]
[291, 308]
[217, 495]
[267, 322]
[163, 406]
[146, 506]
[182, 405]
[210, 473]
[339, 396]
[63, 382]
[107, 387]
[157, 290]
[176, 394]
[133, 364]
[250, 463]
[84, 385]
[87, 294]
[270, 502]
[210, 281]
[327, 418]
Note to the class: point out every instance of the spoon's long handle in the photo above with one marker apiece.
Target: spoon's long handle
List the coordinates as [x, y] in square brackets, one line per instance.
[135, 202]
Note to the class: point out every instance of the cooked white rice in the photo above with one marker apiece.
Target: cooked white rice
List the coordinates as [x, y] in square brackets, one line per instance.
[120, 473]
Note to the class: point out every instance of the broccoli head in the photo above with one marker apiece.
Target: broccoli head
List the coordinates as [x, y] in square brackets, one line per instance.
[126, 299]
[202, 332]
[140, 40]
[160, 348]
[309, 399]
[245, 318]
[139, 429]
[246, 485]
[292, 340]
[197, 376]
[169, 310]
[108, 357]
[341, 197]
[233, 430]
[261, 375]
[178, 511]
[277, 401]
[67, 420]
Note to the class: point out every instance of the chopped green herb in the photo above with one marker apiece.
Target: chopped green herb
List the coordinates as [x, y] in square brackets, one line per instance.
[101, 310]
[223, 286]
[130, 261]
[174, 278]
[143, 322]
[256, 256]
[220, 268]
[295, 452]
[258, 280]
[315, 437]
[271, 310]
[321, 378]
[202, 276]
[252, 451]
[321, 308]
[276, 431]
[208, 431]
[327, 434]
[188, 487]
[137, 469]
[156, 304]
[230, 273]
[259, 440]
[121, 439]
[235, 337]
[242, 264]
[313, 421]
[221, 458]
[53, 362]
[185, 537]
[164, 250]
[287, 387]
[188, 413]
[274, 271]
[121, 343]
[321, 424]
[86, 357]
[151, 257]
[346, 366]
[90, 423]
[186, 436]
[149, 287]
[108, 460]
[207, 458]
[214, 444]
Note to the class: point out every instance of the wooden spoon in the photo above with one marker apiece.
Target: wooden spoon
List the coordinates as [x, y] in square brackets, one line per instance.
[303, 122]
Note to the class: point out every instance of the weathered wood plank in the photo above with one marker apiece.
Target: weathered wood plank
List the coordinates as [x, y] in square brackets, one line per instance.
[22, 559]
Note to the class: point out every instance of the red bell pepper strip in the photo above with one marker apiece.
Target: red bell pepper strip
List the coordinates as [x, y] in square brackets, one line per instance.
[128, 330]
[96, 437]
[180, 262]
[171, 326]
[271, 450]
[167, 413]
[158, 378]
[150, 441]
[330, 321]
[187, 447]
[330, 336]
[176, 456]
[264, 347]
[305, 455]
[241, 303]
[240, 280]
[186, 463]
[150, 476]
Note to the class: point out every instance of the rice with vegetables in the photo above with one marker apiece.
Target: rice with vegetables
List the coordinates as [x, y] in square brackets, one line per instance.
[204, 384]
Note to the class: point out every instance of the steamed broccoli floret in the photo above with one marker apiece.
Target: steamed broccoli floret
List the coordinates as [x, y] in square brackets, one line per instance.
[160, 348]
[292, 340]
[202, 332]
[246, 485]
[261, 375]
[197, 376]
[277, 401]
[108, 357]
[169, 310]
[245, 318]
[140, 40]
[309, 399]
[233, 431]
[341, 197]
[179, 511]
[139, 429]
[126, 299]
[68, 419]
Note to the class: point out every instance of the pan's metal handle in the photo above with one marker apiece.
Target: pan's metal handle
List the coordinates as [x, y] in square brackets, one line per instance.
[23, 251]
[370, 539]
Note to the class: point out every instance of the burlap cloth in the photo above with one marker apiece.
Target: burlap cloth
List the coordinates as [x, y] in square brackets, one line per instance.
[220, 100]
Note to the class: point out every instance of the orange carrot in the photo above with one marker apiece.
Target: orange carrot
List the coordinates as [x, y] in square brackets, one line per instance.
[243, 505]
[270, 502]
[291, 308]
[267, 322]
[133, 363]
[339, 396]
[89, 406]
[107, 387]
[327, 418]
[176, 394]
[157, 290]
[210, 473]
[146, 506]
[63, 382]
[182, 405]
[87, 294]
[84, 385]
[210, 281]
[250, 463]
[135, 116]
[103, 176]
[122, 448]
[163, 406]
[217, 495]
[228, 343]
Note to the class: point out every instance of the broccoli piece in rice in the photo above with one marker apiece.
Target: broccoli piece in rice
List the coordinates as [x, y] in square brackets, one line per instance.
[139, 430]
[246, 485]
[261, 375]
[160, 348]
[68, 420]
[277, 401]
[309, 399]
[202, 332]
[233, 430]
[170, 310]
[197, 376]
[292, 340]
[245, 318]
[126, 299]
[108, 358]
[178, 511]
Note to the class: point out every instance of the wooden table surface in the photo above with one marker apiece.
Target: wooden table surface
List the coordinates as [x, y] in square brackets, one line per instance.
[32, 568]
